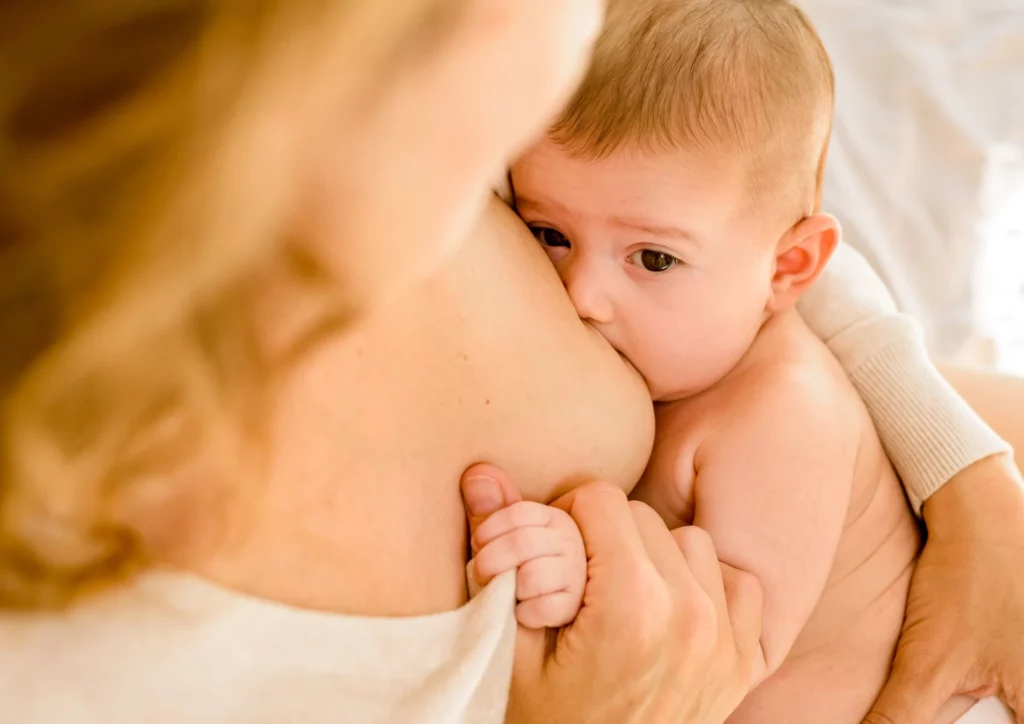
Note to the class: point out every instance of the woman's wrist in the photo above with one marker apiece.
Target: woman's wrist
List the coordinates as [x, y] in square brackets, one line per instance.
[985, 498]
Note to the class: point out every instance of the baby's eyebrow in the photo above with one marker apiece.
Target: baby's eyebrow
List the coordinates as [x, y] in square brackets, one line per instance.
[668, 232]
[527, 201]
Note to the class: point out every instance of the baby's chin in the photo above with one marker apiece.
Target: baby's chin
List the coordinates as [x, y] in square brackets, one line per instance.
[682, 382]
[671, 390]
[660, 389]
[662, 392]
[665, 395]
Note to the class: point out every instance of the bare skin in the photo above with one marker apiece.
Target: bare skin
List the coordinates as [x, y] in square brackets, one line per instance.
[834, 605]
[745, 452]
[461, 353]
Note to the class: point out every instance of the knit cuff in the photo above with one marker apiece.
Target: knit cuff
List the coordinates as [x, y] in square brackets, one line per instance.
[930, 433]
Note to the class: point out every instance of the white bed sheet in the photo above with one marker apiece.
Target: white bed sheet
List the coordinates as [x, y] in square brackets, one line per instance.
[928, 132]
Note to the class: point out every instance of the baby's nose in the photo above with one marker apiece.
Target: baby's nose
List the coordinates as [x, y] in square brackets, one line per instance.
[588, 289]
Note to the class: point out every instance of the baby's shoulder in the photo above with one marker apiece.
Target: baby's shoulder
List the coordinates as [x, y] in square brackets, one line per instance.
[789, 386]
[795, 388]
[790, 366]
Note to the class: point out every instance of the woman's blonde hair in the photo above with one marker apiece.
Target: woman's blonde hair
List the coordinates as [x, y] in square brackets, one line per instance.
[148, 153]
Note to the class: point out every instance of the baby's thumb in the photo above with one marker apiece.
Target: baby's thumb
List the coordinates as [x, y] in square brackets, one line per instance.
[913, 695]
[486, 490]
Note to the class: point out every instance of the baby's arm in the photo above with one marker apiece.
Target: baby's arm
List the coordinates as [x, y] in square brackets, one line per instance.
[930, 433]
[772, 489]
[545, 546]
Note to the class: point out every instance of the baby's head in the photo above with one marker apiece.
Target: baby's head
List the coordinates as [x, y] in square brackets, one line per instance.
[678, 194]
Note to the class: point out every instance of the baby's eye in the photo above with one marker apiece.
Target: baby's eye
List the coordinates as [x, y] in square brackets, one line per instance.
[654, 261]
[549, 237]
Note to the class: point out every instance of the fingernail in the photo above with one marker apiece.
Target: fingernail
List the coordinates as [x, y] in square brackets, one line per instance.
[483, 495]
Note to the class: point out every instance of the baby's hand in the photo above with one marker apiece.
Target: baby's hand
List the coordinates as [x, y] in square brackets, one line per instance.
[546, 547]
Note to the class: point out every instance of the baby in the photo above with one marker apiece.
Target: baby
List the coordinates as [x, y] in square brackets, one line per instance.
[678, 198]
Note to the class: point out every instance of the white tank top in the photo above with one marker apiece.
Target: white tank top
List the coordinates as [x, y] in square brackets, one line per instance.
[174, 649]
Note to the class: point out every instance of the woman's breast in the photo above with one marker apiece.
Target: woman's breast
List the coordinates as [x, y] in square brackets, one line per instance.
[487, 361]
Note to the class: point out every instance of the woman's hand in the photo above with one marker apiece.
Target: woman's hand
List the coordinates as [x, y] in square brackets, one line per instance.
[964, 628]
[664, 634]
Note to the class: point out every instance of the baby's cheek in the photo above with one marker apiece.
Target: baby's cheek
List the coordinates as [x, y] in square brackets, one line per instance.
[693, 353]
[670, 358]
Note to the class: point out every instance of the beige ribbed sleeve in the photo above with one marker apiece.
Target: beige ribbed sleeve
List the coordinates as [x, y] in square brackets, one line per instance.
[929, 431]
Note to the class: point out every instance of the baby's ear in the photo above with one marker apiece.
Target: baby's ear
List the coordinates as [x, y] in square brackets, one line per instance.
[800, 257]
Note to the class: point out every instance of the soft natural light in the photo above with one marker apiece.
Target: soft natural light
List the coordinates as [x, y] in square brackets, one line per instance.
[1001, 270]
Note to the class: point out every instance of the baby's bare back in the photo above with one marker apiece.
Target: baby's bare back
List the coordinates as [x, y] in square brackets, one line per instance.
[842, 654]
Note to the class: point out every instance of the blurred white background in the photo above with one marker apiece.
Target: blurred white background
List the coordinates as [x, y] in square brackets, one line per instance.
[1000, 273]
[926, 168]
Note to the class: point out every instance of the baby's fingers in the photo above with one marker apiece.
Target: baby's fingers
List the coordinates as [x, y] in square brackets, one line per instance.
[542, 576]
[550, 591]
[523, 514]
[553, 610]
[513, 549]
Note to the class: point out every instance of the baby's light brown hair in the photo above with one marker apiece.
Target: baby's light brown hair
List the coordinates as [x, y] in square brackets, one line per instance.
[743, 79]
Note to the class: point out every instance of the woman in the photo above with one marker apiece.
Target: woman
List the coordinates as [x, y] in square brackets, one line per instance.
[248, 350]
[208, 210]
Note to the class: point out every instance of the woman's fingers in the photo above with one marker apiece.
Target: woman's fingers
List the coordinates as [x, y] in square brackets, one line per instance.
[646, 645]
[1015, 698]
[744, 601]
[736, 599]
[609, 530]
[661, 546]
[624, 589]
[702, 561]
